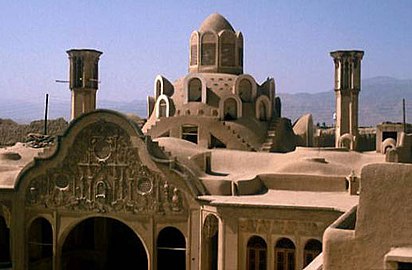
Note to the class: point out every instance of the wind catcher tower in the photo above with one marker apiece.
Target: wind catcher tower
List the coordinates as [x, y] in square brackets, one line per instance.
[347, 88]
[83, 80]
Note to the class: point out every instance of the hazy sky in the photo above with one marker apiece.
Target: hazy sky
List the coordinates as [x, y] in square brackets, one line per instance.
[288, 40]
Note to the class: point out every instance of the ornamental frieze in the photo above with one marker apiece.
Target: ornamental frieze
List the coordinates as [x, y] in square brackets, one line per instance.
[281, 226]
[103, 172]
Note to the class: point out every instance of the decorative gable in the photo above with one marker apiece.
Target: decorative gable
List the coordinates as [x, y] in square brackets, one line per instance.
[103, 172]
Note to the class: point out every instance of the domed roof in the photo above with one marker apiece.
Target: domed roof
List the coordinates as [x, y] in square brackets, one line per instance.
[215, 23]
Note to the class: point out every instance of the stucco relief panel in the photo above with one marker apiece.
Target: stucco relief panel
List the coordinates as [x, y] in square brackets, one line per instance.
[103, 172]
[287, 227]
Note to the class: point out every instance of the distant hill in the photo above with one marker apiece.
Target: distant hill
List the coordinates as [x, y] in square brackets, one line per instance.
[24, 112]
[11, 132]
[380, 100]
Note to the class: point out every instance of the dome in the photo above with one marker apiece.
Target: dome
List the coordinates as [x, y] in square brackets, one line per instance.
[215, 23]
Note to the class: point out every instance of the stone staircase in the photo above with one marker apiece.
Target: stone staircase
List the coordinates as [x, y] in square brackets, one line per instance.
[270, 136]
[238, 137]
[159, 154]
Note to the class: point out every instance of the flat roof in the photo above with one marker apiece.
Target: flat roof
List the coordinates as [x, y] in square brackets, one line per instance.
[12, 160]
[340, 201]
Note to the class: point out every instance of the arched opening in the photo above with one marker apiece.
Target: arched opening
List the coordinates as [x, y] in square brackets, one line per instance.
[278, 107]
[5, 258]
[195, 90]
[162, 108]
[263, 111]
[210, 240]
[245, 90]
[227, 49]
[312, 249]
[256, 253]
[40, 245]
[346, 140]
[230, 109]
[103, 244]
[158, 88]
[285, 255]
[171, 249]
[240, 49]
[388, 144]
[208, 54]
[193, 49]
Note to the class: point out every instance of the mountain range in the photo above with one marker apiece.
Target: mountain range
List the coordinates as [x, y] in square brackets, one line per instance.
[380, 100]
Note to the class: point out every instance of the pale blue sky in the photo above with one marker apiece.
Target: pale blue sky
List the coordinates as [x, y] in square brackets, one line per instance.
[287, 40]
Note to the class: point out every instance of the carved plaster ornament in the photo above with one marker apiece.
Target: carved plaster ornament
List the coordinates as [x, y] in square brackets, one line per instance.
[103, 172]
[6, 214]
[210, 226]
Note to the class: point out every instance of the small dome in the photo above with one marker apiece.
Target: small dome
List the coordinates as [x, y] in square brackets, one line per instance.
[215, 23]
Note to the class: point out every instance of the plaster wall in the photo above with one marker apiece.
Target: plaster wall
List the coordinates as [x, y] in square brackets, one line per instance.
[384, 219]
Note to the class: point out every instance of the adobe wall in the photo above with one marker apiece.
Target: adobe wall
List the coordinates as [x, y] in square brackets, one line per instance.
[304, 182]
[384, 219]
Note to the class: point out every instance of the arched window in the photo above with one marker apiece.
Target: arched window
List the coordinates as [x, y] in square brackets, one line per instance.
[245, 90]
[171, 249]
[227, 49]
[208, 55]
[285, 255]
[256, 253]
[158, 88]
[230, 109]
[162, 108]
[193, 49]
[40, 243]
[210, 247]
[240, 49]
[263, 108]
[195, 90]
[5, 259]
[312, 249]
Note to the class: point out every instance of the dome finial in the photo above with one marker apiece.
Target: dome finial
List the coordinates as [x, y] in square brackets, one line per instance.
[215, 23]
